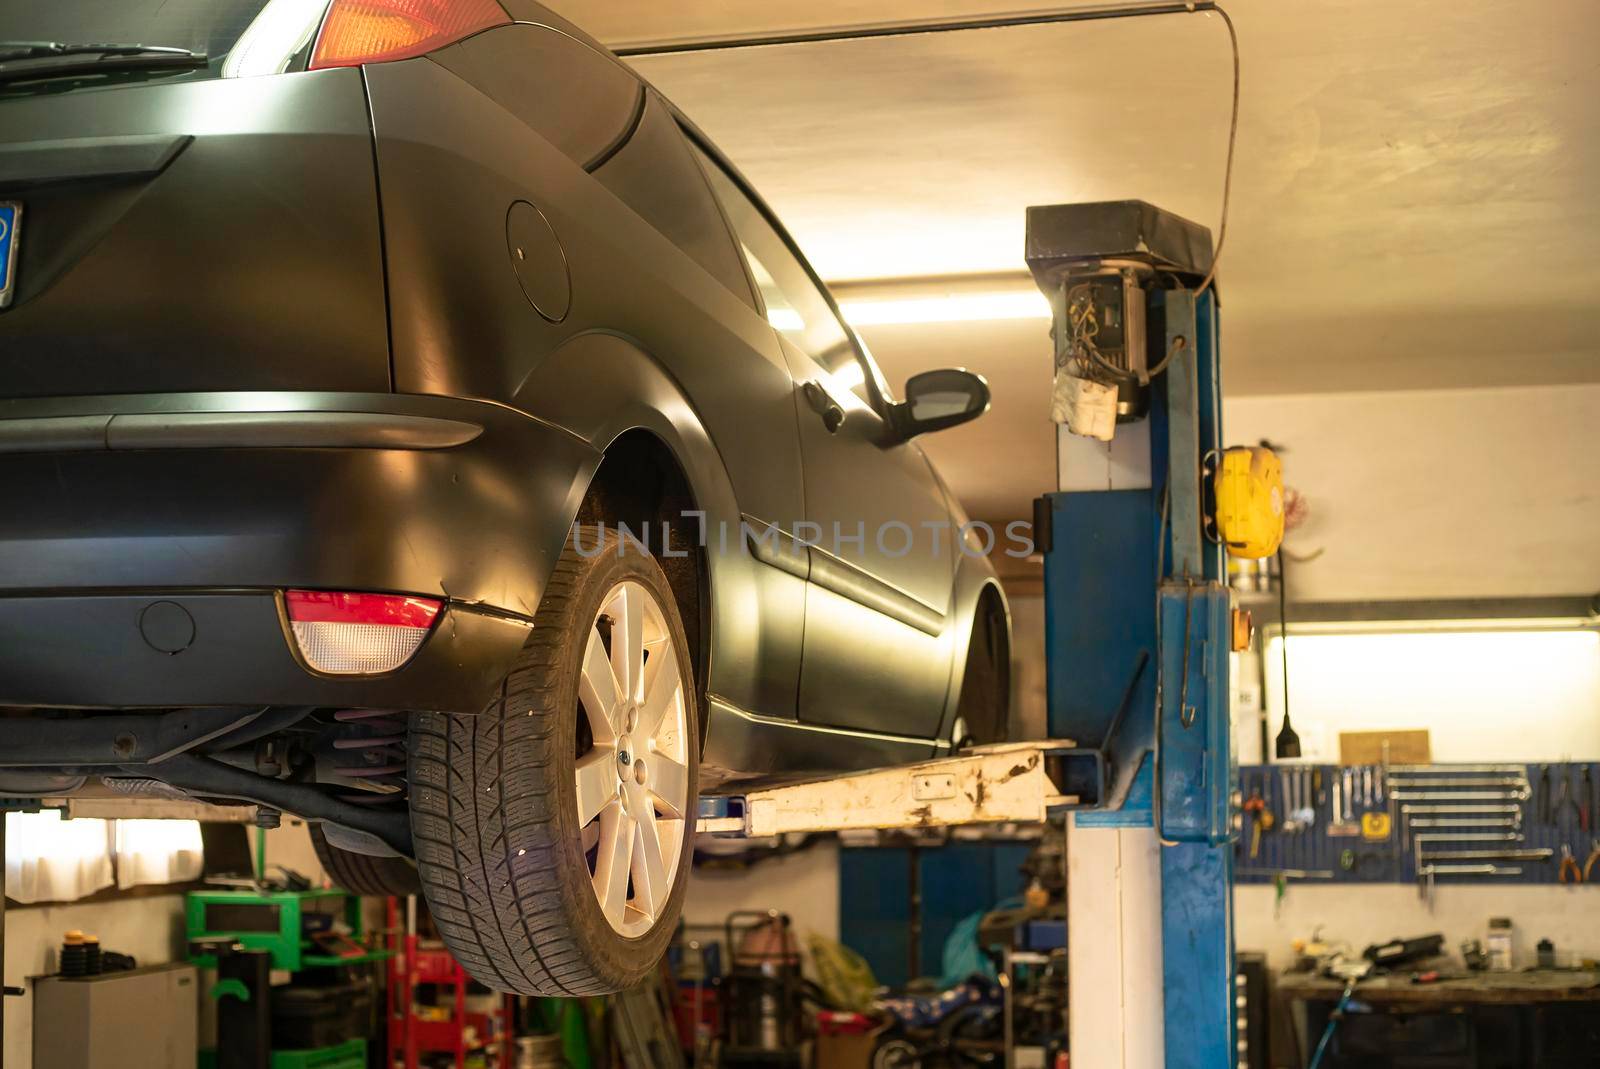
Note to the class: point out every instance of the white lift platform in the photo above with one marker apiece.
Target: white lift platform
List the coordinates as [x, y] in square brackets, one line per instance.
[1017, 782]
[1007, 783]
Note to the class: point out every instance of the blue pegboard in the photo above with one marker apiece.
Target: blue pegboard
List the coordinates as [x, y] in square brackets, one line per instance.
[1546, 822]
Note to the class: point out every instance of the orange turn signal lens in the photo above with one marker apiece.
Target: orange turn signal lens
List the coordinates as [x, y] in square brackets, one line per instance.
[372, 31]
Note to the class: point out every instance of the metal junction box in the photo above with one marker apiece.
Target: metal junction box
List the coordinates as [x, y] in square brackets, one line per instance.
[139, 1019]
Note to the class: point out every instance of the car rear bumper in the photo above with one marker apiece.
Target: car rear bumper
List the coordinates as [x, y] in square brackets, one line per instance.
[218, 501]
[91, 652]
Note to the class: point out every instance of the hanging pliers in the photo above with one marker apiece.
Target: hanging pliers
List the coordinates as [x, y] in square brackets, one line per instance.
[1564, 798]
[1588, 864]
[1586, 812]
[1569, 866]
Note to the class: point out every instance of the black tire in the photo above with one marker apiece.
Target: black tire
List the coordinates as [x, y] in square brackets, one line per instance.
[494, 809]
[364, 875]
[896, 1053]
[984, 706]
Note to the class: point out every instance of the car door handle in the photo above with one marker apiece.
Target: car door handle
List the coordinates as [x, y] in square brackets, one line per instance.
[824, 406]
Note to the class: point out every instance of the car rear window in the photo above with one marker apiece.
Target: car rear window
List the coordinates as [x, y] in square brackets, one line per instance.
[209, 26]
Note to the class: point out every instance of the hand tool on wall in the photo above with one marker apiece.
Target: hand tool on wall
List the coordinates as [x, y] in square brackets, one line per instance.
[1544, 794]
[1298, 816]
[1467, 837]
[1343, 804]
[1426, 875]
[1532, 853]
[1436, 823]
[1410, 811]
[1316, 783]
[1570, 872]
[1411, 783]
[1260, 820]
[1585, 802]
[1504, 794]
[1564, 798]
[1430, 770]
[1264, 822]
[1424, 842]
[1474, 870]
[1421, 842]
[1368, 864]
[1594, 798]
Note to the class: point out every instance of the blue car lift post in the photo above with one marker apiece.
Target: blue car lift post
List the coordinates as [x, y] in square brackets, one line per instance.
[1138, 635]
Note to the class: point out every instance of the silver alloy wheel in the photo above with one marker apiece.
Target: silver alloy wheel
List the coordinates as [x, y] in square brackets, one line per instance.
[633, 784]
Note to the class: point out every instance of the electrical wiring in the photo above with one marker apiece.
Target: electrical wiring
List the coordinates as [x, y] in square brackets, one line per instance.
[1227, 170]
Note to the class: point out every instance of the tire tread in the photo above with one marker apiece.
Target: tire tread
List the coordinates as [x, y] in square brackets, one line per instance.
[505, 918]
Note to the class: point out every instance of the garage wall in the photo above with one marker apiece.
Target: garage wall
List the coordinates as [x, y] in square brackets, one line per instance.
[1380, 912]
[1419, 494]
[151, 929]
[290, 846]
[1519, 696]
[804, 885]
[1436, 494]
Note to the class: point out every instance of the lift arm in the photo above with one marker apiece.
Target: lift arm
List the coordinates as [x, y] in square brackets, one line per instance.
[1018, 782]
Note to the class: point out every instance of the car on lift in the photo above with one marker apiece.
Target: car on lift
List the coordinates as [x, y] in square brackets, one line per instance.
[410, 422]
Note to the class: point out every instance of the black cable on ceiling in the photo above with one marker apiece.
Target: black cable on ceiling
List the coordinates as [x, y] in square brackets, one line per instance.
[914, 29]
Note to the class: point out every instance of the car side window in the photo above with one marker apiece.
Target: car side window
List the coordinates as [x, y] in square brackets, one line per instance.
[795, 305]
[581, 101]
[655, 174]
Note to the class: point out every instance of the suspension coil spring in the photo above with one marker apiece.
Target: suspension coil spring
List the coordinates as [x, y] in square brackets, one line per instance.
[378, 747]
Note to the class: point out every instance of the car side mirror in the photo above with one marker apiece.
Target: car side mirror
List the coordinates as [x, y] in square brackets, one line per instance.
[939, 399]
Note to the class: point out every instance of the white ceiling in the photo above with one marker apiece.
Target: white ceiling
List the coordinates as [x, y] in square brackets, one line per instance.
[1415, 196]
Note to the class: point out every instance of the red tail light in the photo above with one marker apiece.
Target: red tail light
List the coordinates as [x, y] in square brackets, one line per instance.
[371, 31]
[358, 634]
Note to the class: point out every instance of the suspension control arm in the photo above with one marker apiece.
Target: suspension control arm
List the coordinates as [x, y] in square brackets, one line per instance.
[212, 779]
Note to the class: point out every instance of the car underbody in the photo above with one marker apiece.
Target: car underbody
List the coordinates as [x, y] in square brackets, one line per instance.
[345, 768]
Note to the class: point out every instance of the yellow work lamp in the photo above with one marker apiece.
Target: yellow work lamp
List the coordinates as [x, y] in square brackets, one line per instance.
[1248, 489]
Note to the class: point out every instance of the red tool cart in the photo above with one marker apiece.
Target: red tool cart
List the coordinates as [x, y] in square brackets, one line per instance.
[446, 1025]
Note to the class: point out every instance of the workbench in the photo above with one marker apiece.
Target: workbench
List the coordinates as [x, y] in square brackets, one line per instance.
[1544, 1018]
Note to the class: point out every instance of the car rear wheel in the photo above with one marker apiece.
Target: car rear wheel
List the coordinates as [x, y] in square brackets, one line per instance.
[983, 711]
[553, 831]
[363, 875]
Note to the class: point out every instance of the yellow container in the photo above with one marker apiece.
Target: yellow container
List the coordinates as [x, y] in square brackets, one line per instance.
[1249, 493]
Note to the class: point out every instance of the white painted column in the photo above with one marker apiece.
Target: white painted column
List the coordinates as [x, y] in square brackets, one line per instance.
[1113, 874]
[1114, 948]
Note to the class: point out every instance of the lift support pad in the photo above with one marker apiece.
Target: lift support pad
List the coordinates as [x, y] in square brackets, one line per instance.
[1019, 782]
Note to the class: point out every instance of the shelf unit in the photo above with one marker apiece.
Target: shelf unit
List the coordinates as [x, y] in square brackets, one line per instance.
[413, 963]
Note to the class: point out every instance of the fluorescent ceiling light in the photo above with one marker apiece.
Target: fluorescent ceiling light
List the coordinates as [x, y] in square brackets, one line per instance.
[951, 308]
